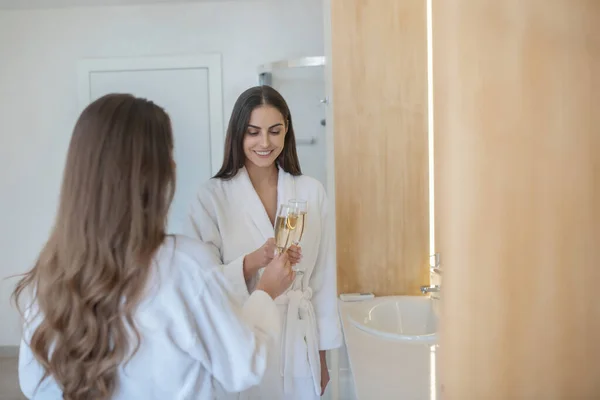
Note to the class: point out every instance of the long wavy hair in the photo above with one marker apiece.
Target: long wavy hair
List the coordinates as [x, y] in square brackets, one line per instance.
[251, 99]
[118, 184]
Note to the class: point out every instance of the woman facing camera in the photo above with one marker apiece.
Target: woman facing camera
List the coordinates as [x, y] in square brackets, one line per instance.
[259, 204]
[117, 308]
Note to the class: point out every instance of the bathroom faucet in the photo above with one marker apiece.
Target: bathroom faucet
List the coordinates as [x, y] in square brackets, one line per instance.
[430, 289]
[435, 269]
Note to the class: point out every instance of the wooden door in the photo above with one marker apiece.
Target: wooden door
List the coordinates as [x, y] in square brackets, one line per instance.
[517, 125]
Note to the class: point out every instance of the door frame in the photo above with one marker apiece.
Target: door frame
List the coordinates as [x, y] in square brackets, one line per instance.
[210, 61]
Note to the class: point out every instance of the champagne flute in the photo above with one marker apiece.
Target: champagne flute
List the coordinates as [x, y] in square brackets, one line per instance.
[285, 225]
[299, 209]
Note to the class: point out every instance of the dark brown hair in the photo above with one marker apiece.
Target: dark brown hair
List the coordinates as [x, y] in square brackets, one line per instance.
[252, 98]
[118, 184]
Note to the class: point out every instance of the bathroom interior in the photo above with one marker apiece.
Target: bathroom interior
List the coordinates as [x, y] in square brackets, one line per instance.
[457, 141]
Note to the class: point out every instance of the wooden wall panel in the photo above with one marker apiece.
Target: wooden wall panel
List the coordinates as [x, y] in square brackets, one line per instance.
[379, 69]
[517, 112]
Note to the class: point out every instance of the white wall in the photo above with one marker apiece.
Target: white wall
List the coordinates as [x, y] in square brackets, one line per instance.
[38, 93]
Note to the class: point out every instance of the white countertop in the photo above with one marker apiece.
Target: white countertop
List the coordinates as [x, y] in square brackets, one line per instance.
[387, 368]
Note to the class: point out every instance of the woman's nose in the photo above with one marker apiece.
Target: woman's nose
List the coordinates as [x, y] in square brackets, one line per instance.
[265, 140]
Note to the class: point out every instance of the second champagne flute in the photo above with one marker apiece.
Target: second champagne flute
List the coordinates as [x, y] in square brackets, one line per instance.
[299, 210]
[285, 225]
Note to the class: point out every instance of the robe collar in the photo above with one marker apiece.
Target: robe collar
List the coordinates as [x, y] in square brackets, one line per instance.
[252, 205]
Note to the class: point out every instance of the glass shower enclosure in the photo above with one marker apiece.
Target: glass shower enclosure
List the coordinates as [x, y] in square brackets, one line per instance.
[301, 82]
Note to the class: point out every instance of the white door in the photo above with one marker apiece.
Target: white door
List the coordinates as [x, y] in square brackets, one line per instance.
[189, 89]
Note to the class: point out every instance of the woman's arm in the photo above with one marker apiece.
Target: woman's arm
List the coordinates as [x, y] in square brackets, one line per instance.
[203, 225]
[232, 342]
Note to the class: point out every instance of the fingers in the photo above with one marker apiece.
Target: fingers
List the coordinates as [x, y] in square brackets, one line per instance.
[324, 383]
[283, 258]
[280, 260]
[287, 266]
[295, 254]
[295, 249]
[270, 249]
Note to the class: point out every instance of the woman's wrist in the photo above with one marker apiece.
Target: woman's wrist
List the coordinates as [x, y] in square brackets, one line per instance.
[323, 358]
[249, 265]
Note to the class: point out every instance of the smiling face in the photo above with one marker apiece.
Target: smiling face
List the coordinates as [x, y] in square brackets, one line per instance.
[260, 134]
[265, 136]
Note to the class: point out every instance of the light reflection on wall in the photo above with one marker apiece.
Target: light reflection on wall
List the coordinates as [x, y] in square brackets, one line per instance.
[432, 373]
[430, 126]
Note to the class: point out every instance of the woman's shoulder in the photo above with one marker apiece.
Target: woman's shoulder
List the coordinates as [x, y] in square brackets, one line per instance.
[309, 181]
[312, 186]
[306, 182]
[211, 186]
[190, 258]
[216, 187]
[211, 192]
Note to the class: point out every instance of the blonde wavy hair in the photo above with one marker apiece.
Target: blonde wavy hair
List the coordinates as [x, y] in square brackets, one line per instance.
[118, 184]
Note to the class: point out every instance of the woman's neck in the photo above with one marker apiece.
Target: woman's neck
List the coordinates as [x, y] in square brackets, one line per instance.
[261, 176]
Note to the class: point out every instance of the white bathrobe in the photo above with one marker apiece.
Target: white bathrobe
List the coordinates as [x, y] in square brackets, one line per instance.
[230, 216]
[195, 338]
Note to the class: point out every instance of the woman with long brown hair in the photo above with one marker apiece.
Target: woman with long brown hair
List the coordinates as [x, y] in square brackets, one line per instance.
[238, 214]
[118, 309]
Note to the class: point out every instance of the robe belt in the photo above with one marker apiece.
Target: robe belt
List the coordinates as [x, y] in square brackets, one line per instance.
[299, 307]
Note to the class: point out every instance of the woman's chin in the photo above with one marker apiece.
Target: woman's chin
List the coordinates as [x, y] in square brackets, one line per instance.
[262, 162]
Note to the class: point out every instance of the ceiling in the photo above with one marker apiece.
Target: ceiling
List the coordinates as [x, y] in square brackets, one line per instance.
[19, 4]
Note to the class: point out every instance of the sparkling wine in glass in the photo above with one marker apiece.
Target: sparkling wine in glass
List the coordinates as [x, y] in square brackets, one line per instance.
[299, 210]
[285, 225]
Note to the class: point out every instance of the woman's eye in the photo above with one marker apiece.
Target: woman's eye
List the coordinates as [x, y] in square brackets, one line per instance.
[253, 133]
[275, 132]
